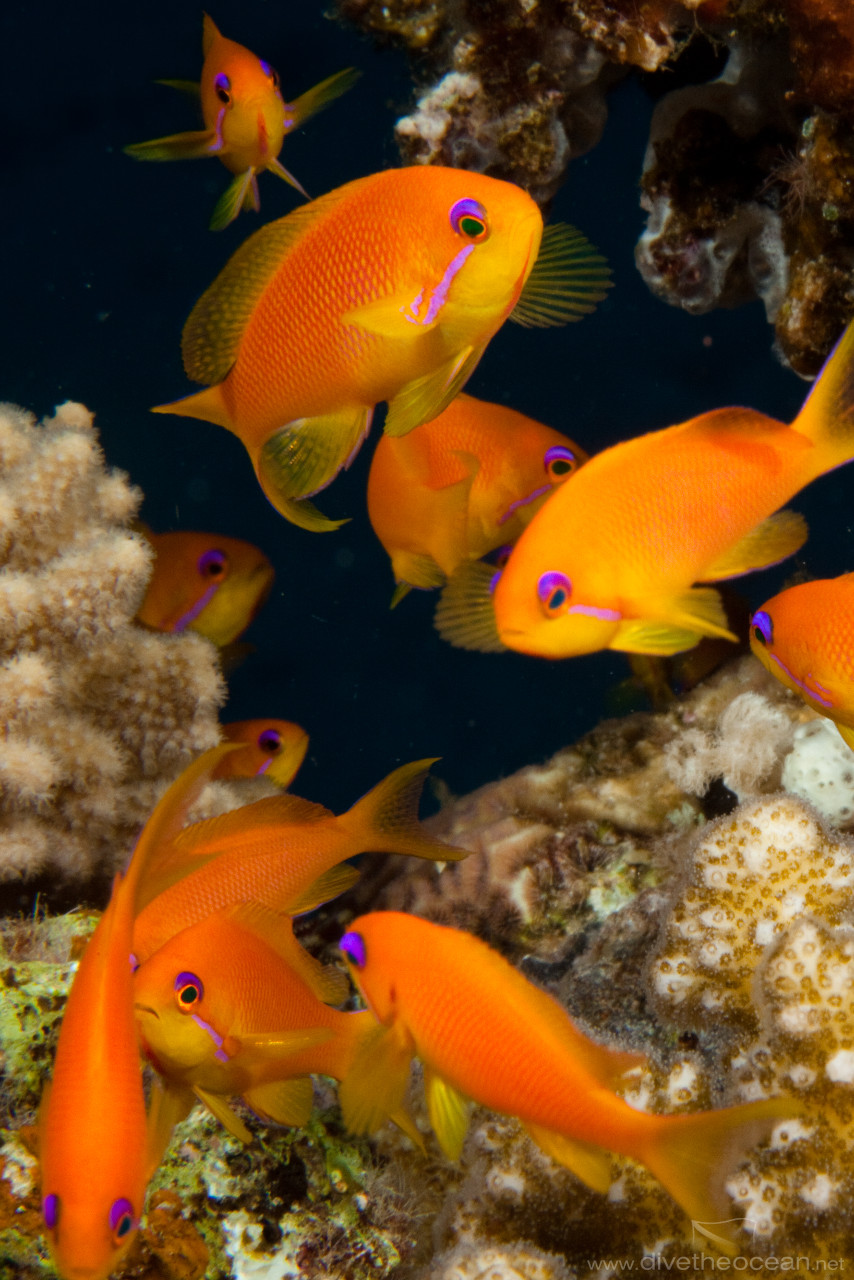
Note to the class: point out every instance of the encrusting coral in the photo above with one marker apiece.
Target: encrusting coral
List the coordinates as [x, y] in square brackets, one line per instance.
[97, 713]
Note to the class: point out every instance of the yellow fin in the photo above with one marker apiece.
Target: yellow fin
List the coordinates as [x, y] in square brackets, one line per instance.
[275, 166]
[210, 33]
[327, 982]
[191, 87]
[386, 819]
[465, 616]
[375, 1086]
[407, 1125]
[208, 405]
[402, 590]
[169, 1104]
[284, 1101]
[386, 317]
[320, 96]
[425, 398]
[306, 455]
[194, 145]
[304, 514]
[827, 416]
[567, 280]
[591, 1164]
[847, 733]
[701, 609]
[414, 570]
[779, 536]
[658, 639]
[218, 1107]
[241, 193]
[331, 884]
[448, 1111]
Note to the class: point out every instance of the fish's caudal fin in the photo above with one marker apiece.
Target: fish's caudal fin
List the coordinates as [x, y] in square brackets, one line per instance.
[827, 417]
[386, 819]
[693, 1155]
[567, 280]
[208, 405]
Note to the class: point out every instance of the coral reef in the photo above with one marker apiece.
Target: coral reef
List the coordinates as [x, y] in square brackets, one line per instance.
[97, 712]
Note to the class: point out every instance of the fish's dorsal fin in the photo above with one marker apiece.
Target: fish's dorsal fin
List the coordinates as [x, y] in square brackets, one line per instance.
[283, 1101]
[375, 1087]
[465, 615]
[423, 399]
[567, 280]
[275, 930]
[210, 34]
[448, 1111]
[781, 535]
[305, 455]
[217, 322]
[591, 1164]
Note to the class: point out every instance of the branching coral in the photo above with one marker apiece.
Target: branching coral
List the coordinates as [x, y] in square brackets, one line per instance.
[96, 712]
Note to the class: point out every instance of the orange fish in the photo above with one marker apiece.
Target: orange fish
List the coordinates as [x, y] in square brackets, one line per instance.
[282, 852]
[805, 637]
[275, 750]
[460, 486]
[610, 561]
[484, 1032]
[96, 1147]
[246, 120]
[205, 582]
[388, 288]
[259, 1027]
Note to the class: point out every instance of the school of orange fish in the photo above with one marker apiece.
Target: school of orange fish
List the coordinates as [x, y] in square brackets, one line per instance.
[389, 289]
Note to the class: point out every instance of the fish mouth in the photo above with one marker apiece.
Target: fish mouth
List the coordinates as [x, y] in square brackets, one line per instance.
[146, 1008]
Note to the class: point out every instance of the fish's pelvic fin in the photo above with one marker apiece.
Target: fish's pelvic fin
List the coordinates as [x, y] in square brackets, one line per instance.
[567, 280]
[425, 398]
[241, 193]
[194, 145]
[305, 455]
[386, 819]
[169, 1104]
[847, 733]
[229, 1119]
[448, 1111]
[683, 622]
[591, 1164]
[401, 591]
[208, 405]
[414, 570]
[779, 536]
[465, 615]
[692, 1155]
[275, 166]
[827, 416]
[320, 96]
[375, 1087]
[283, 1101]
[656, 639]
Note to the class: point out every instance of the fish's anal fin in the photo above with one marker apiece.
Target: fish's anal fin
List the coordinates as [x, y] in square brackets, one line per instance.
[425, 398]
[228, 1118]
[305, 455]
[776, 538]
[375, 1087]
[567, 280]
[241, 193]
[169, 1104]
[465, 615]
[448, 1111]
[591, 1164]
[283, 1101]
[194, 145]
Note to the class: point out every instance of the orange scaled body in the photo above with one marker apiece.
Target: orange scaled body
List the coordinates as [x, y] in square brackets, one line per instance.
[805, 637]
[460, 486]
[276, 749]
[484, 1032]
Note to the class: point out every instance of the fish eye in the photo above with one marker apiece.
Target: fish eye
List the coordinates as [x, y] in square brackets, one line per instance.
[122, 1220]
[212, 564]
[559, 462]
[222, 86]
[50, 1210]
[554, 591]
[468, 218]
[270, 740]
[353, 946]
[188, 991]
[763, 627]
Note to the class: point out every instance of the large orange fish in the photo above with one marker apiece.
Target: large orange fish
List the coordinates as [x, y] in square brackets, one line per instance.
[805, 637]
[610, 561]
[388, 288]
[460, 486]
[96, 1148]
[258, 1026]
[285, 853]
[204, 582]
[275, 750]
[484, 1032]
[246, 120]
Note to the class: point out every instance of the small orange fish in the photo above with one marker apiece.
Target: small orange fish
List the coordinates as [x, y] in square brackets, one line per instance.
[484, 1032]
[275, 750]
[285, 853]
[460, 486]
[246, 120]
[96, 1146]
[805, 637]
[258, 1027]
[205, 582]
[610, 561]
[388, 288]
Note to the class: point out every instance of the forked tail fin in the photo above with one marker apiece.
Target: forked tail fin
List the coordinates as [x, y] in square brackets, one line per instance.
[386, 819]
[827, 416]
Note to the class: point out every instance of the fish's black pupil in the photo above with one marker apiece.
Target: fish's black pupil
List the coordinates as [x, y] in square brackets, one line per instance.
[558, 599]
[189, 995]
[124, 1226]
[215, 568]
[758, 636]
[561, 468]
[471, 226]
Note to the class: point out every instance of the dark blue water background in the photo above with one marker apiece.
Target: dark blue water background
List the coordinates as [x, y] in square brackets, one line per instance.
[103, 258]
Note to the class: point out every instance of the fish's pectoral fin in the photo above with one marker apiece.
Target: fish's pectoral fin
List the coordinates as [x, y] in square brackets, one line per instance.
[283, 1101]
[657, 639]
[177, 146]
[192, 88]
[779, 536]
[275, 166]
[375, 1087]
[318, 97]
[448, 1111]
[169, 1104]
[331, 884]
[306, 455]
[567, 280]
[391, 316]
[591, 1164]
[241, 193]
[228, 1118]
[425, 398]
[465, 615]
